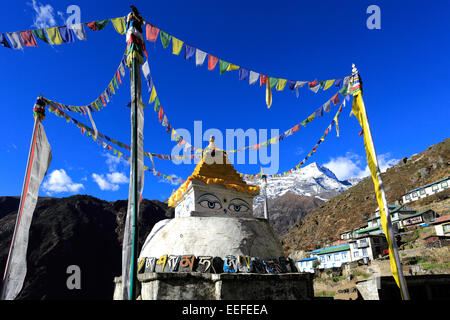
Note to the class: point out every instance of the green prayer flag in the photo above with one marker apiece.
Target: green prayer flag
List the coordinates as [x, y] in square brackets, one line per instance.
[273, 82]
[223, 66]
[165, 38]
[157, 104]
[40, 33]
[303, 123]
[101, 24]
[115, 82]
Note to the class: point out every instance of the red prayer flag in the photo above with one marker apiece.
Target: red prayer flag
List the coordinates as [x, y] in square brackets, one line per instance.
[262, 80]
[362, 132]
[160, 114]
[152, 32]
[335, 98]
[28, 38]
[103, 100]
[312, 83]
[212, 61]
[92, 25]
[295, 129]
[118, 76]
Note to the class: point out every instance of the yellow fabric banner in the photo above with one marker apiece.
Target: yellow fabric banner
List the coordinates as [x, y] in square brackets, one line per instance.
[152, 95]
[281, 84]
[268, 94]
[232, 67]
[119, 25]
[54, 36]
[328, 84]
[177, 44]
[360, 114]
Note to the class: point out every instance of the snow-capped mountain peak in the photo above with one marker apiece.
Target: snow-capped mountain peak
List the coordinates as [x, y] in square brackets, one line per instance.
[311, 180]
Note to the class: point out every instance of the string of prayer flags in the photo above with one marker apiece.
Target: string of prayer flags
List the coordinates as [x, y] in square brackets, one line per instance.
[15, 40]
[224, 66]
[251, 177]
[102, 100]
[28, 38]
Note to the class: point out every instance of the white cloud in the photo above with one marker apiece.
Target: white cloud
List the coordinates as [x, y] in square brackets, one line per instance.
[117, 177]
[58, 181]
[44, 15]
[354, 166]
[111, 182]
[113, 162]
[103, 184]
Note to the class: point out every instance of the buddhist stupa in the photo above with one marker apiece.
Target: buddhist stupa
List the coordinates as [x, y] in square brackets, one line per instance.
[213, 216]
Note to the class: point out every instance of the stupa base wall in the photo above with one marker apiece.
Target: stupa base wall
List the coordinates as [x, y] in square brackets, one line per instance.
[226, 286]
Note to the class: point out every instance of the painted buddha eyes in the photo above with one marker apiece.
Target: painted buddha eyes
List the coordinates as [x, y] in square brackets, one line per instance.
[238, 205]
[210, 201]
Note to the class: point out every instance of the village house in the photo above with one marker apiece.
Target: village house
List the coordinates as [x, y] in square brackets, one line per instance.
[333, 257]
[368, 247]
[306, 265]
[426, 191]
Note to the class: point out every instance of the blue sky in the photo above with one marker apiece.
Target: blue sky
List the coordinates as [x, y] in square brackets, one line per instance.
[404, 67]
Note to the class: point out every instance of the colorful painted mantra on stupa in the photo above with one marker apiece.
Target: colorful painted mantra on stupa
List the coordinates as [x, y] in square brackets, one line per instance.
[209, 264]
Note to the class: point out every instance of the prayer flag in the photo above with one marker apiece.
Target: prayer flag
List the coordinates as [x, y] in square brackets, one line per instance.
[327, 106]
[212, 61]
[319, 112]
[15, 40]
[28, 38]
[335, 98]
[223, 66]
[152, 95]
[262, 80]
[66, 34]
[119, 24]
[160, 114]
[312, 84]
[54, 35]
[273, 82]
[78, 29]
[40, 33]
[291, 84]
[177, 45]
[315, 89]
[152, 32]
[328, 84]
[165, 38]
[92, 25]
[232, 67]
[268, 94]
[199, 57]
[157, 104]
[189, 52]
[243, 73]
[101, 24]
[338, 82]
[39, 158]
[146, 69]
[253, 77]
[281, 84]
[3, 41]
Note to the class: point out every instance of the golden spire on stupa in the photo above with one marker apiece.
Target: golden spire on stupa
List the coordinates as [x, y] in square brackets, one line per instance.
[214, 168]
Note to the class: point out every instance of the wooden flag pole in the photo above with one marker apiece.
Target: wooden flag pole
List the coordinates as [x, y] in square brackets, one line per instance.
[403, 287]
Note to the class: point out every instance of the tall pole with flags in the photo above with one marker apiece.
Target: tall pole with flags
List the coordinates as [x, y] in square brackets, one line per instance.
[135, 50]
[266, 205]
[359, 110]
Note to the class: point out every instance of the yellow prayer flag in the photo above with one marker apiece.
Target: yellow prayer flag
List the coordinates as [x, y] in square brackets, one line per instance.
[177, 44]
[111, 87]
[119, 24]
[281, 84]
[54, 36]
[152, 95]
[268, 94]
[359, 111]
[232, 67]
[328, 84]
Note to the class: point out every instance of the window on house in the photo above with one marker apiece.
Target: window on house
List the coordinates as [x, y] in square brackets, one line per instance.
[408, 197]
[422, 191]
[364, 252]
[414, 194]
[444, 184]
[356, 254]
[363, 242]
[435, 187]
[329, 257]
